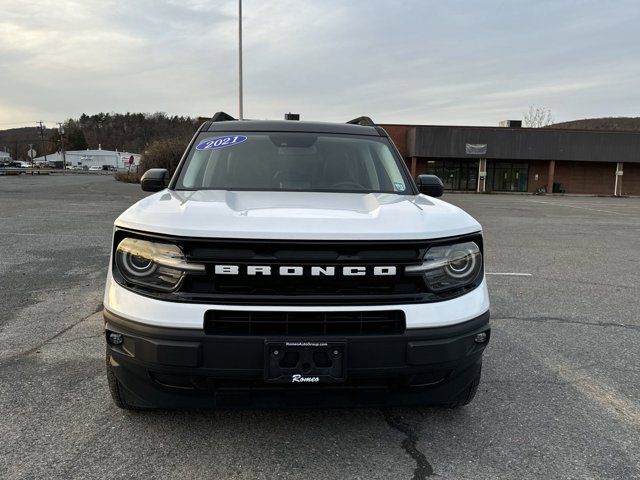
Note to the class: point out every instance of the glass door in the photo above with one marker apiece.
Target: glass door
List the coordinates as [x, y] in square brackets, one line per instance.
[455, 174]
[508, 176]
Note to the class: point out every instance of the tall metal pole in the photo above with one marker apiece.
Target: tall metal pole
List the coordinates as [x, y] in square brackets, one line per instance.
[44, 150]
[240, 116]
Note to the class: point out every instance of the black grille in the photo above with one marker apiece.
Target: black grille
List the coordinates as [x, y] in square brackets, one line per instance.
[220, 322]
[307, 289]
[284, 290]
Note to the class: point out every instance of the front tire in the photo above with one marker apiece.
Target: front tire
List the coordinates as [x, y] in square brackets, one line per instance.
[467, 396]
[116, 389]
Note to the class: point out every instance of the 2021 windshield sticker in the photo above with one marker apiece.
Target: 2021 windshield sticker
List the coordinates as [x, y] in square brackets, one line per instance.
[220, 142]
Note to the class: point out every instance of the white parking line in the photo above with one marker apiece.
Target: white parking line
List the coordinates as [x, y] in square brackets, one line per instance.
[510, 274]
[611, 204]
[576, 206]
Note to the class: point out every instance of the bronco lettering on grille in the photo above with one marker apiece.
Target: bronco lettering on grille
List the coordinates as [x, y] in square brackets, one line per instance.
[314, 271]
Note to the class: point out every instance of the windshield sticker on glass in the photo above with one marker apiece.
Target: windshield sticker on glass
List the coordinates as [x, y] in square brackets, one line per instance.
[220, 142]
[398, 187]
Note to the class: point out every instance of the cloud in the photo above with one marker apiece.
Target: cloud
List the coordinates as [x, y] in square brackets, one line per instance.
[412, 61]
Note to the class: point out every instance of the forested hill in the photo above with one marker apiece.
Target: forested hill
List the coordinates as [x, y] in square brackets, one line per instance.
[131, 132]
[606, 123]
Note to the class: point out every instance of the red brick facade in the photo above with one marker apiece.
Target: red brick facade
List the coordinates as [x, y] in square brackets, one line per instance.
[586, 177]
[541, 169]
[399, 135]
[631, 179]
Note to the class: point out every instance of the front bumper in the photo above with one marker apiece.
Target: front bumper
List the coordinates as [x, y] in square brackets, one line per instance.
[173, 367]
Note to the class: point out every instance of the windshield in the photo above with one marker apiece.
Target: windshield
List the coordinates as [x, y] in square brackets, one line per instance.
[286, 161]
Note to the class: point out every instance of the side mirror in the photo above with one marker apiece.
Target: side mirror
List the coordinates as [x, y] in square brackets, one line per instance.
[155, 179]
[430, 185]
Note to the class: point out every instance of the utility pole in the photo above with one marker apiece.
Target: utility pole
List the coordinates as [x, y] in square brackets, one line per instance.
[240, 116]
[44, 150]
[61, 135]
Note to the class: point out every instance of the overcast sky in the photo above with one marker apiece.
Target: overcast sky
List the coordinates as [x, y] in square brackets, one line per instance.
[414, 61]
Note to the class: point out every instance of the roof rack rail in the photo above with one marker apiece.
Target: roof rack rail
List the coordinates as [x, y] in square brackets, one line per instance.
[221, 117]
[364, 121]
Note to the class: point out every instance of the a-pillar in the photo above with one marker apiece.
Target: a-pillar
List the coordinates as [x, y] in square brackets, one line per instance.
[617, 189]
[550, 175]
[482, 175]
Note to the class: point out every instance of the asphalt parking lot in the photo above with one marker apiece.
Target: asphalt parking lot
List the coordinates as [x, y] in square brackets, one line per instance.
[559, 398]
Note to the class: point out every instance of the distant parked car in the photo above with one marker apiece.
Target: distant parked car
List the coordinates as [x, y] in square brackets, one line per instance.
[95, 168]
[12, 165]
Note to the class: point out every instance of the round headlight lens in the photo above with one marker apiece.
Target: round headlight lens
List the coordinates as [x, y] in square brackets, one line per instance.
[161, 266]
[447, 267]
[137, 265]
[461, 262]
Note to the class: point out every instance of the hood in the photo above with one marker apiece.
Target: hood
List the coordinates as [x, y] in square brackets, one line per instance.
[297, 215]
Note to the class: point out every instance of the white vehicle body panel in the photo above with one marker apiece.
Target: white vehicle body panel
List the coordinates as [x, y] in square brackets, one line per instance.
[159, 313]
[297, 216]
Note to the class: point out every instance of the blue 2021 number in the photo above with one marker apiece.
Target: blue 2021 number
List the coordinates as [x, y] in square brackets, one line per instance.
[220, 142]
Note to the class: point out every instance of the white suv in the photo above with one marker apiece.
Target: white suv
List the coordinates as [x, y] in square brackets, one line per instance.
[294, 263]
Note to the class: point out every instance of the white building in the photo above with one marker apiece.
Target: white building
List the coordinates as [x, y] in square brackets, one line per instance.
[88, 158]
[5, 157]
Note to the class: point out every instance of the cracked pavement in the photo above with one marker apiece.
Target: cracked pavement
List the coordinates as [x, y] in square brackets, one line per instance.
[559, 397]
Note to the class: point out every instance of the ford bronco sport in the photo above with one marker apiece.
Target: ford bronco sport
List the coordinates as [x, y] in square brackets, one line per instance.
[294, 263]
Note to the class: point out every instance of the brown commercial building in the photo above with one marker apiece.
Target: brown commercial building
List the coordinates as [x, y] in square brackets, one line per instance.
[514, 159]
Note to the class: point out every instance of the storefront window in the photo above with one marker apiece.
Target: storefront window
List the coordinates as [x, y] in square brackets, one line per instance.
[455, 174]
[508, 176]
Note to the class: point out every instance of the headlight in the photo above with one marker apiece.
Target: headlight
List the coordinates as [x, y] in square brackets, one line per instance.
[446, 267]
[161, 266]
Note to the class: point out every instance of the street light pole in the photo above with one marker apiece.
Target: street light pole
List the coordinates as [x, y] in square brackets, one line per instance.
[240, 116]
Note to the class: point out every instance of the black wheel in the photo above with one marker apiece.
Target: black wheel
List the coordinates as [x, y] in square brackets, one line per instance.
[116, 390]
[468, 395]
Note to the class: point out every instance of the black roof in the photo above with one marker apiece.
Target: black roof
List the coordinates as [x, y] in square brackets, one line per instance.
[436, 141]
[290, 126]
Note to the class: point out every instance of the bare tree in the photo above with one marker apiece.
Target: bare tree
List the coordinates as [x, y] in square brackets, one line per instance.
[537, 117]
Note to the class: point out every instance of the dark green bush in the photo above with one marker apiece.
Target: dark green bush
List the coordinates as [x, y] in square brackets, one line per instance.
[127, 177]
[165, 153]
